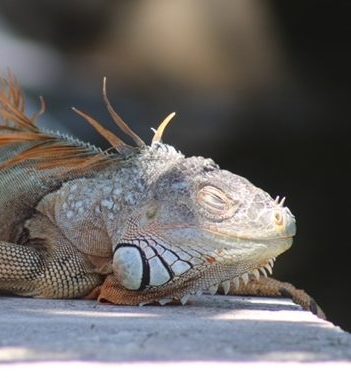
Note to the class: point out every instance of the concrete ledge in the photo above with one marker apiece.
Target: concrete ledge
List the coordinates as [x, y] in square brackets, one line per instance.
[218, 330]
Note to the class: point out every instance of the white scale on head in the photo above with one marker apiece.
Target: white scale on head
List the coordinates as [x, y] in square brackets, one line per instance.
[129, 265]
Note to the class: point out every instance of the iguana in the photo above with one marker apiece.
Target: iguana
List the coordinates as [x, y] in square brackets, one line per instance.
[129, 225]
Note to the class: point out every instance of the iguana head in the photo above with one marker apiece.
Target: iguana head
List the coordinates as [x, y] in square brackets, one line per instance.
[194, 227]
[176, 225]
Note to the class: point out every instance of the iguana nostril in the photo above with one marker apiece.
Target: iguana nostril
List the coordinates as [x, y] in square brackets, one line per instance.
[285, 221]
[279, 217]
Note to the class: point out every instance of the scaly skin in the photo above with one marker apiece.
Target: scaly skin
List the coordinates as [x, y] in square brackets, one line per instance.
[144, 225]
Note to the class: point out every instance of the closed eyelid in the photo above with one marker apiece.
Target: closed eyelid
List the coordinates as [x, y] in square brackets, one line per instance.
[214, 200]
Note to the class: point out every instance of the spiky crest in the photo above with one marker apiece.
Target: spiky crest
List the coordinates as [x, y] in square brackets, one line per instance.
[118, 120]
[54, 151]
[160, 130]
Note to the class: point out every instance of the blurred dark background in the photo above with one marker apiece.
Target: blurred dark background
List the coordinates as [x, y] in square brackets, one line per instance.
[262, 87]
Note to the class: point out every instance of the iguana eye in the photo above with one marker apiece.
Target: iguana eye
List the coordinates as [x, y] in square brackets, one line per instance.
[214, 200]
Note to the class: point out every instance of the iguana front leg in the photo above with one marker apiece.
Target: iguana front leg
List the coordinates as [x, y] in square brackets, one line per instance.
[20, 267]
[270, 287]
[47, 265]
[30, 272]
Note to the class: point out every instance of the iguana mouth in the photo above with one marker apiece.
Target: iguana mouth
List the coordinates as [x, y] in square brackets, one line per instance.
[283, 227]
[225, 285]
[231, 236]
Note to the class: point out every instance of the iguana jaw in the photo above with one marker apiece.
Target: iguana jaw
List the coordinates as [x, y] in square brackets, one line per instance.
[225, 266]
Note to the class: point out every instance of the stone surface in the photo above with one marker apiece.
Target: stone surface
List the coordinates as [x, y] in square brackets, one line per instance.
[208, 331]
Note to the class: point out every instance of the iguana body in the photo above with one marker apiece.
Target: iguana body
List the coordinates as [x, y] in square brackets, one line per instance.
[133, 226]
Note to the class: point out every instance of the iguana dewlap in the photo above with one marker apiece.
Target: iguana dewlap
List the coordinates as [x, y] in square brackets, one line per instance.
[131, 225]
